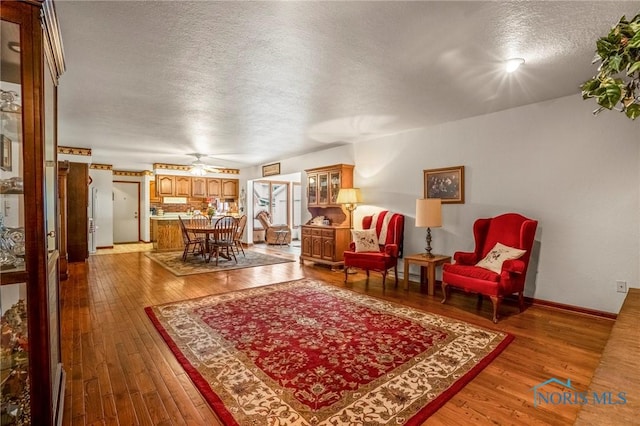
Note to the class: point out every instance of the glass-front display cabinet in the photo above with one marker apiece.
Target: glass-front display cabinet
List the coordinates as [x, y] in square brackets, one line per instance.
[31, 373]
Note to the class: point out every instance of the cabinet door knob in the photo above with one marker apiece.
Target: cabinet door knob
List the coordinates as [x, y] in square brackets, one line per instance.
[51, 234]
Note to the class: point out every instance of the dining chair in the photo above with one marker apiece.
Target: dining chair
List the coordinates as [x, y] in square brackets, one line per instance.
[190, 243]
[199, 221]
[224, 238]
[237, 240]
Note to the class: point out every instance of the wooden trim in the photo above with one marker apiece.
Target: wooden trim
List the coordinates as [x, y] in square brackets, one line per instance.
[129, 173]
[96, 166]
[74, 151]
[180, 167]
[571, 308]
[53, 44]
[104, 247]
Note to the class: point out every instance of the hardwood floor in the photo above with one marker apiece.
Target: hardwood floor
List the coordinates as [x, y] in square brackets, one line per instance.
[119, 370]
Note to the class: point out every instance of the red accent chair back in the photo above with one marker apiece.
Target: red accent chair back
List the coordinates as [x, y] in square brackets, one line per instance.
[389, 252]
[510, 229]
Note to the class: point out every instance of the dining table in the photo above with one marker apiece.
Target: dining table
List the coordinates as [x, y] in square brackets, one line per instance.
[208, 231]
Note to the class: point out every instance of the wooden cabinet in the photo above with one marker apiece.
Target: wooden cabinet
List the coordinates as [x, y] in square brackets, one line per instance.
[166, 185]
[31, 371]
[153, 193]
[230, 188]
[183, 186]
[198, 187]
[214, 188]
[324, 183]
[324, 244]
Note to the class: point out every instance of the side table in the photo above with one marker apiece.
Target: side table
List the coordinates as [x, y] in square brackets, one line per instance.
[281, 237]
[430, 263]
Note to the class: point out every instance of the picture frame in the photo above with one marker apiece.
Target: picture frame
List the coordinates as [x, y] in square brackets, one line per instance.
[445, 183]
[5, 151]
[271, 169]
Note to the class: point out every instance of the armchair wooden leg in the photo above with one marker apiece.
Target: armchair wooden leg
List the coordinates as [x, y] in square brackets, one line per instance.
[395, 272]
[479, 301]
[346, 273]
[384, 277]
[521, 300]
[445, 292]
[496, 304]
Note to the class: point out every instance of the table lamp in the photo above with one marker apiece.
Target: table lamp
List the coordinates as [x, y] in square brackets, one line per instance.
[428, 215]
[349, 197]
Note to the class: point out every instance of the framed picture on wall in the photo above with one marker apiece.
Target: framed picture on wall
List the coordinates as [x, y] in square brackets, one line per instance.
[271, 169]
[5, 149]
[446, 183]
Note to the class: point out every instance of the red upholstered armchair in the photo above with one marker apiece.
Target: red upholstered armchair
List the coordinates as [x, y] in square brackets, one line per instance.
[510, 229]
[389, 229]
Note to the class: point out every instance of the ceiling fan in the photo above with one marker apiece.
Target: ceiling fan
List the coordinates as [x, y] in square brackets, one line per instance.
[199, 168]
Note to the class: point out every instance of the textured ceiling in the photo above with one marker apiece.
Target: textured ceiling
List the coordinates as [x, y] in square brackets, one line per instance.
[254, 82]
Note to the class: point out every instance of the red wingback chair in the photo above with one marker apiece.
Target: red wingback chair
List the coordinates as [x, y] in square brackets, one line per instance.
[391, 225]
[510, 229]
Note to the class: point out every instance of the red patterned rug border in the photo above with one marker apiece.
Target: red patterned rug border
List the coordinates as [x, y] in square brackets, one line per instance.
[457, 386]
[203, 387]
[227, 418]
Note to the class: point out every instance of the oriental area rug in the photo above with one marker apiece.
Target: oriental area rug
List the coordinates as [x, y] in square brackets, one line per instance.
[308, 353]
[172, 260]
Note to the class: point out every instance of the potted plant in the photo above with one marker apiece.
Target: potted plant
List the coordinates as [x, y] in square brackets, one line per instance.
[618, 78]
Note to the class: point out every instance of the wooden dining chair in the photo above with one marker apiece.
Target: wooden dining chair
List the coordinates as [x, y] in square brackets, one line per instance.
[199, 221]
[237, 240]
[224, 238]
[190, 242]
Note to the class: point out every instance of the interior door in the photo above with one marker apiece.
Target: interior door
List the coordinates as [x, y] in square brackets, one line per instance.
[126, 205]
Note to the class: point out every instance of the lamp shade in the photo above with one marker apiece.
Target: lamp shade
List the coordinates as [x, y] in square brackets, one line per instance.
[428, 212]
[349, 196]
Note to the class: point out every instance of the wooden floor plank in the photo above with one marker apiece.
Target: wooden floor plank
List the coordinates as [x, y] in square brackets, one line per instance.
[114, 354]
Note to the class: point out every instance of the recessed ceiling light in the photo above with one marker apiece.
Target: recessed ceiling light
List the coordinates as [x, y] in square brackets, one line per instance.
[15, 46]
[514, 63]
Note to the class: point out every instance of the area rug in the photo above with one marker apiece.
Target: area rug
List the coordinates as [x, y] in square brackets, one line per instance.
[172, 261]
[308, 353]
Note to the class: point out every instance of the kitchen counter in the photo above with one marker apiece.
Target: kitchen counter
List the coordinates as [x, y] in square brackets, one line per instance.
[166, 233]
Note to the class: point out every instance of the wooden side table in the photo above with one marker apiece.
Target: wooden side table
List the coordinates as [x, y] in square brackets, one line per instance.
[430, 263]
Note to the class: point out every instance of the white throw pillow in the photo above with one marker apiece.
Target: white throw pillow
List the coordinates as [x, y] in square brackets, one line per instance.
[365, 239]
[497, 255]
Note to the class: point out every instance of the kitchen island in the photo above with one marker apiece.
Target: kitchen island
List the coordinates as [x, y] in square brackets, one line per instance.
[165, 233]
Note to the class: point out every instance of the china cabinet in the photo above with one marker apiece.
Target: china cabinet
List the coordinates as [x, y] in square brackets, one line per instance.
[31, 373]
[327, 235]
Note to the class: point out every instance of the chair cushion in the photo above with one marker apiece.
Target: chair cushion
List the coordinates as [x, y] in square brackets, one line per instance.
[471, 272]
[497, 255]
[365, 240]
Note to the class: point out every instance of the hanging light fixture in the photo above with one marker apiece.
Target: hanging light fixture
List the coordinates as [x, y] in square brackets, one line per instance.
[198, 168]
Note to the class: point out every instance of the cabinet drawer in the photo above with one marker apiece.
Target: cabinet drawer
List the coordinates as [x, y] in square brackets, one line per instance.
[328, 233]
[316, 232]
[306, 231]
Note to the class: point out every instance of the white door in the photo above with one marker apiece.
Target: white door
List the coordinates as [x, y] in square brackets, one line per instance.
[126, 196]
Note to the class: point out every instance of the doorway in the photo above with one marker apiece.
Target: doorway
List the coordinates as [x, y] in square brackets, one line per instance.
[126, 206]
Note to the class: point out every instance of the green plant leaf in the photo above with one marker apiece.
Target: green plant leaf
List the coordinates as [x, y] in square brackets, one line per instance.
[590, 85]
[634, 42]
[634, 67]
[615, 63]
[611, 96]
[633, 111]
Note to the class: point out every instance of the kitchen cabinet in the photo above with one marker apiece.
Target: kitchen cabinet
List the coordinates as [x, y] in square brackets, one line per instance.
[199, 187]
[214, 188]
[230, 188]
[153, 193]
[183, 186]
[31, 371]
[166, 185]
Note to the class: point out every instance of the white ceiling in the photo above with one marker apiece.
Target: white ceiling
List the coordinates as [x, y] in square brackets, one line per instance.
[255, 82]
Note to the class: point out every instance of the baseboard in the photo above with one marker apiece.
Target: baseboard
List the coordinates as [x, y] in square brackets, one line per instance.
[572, 308]
[104, 247]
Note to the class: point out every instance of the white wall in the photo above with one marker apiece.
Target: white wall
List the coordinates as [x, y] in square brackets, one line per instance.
[554, 162]
[577, 174]
[103, 220]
